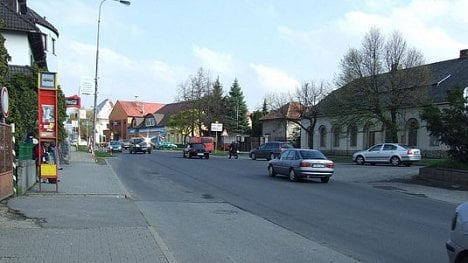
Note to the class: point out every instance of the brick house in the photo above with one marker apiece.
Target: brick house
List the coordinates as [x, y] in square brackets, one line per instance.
[125, 114]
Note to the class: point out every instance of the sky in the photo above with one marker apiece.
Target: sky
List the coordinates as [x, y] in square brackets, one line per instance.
[148, 49]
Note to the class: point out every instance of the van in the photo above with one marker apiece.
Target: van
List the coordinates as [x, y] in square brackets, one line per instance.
[269, 150]
[207, 141]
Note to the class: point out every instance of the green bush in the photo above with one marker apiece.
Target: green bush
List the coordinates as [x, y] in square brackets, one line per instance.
[444, 163]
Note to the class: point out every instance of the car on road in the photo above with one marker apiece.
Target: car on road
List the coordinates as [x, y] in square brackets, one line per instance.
[269, 150]
[139, 145]
[125, 144]
[457, 245]
[166, 145]
[388, 153]
[114, 146]
[302, 163]
[196, 149]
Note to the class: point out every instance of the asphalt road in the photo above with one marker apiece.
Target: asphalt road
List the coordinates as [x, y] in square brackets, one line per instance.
[348, 215]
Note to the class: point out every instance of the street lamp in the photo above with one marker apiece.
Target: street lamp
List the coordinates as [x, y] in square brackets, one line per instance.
[96, 72]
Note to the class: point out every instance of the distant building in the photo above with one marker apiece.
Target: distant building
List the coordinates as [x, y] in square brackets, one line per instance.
[125, 114]
[103, 111]
[281, 124]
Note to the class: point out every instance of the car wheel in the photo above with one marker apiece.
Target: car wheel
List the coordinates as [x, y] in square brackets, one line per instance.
[292, 176]
[149, 152]
[207, 156]
[325, 180]
[252, 156]
[395, 161]
[360, 160]
[271, 171]
[185, 156]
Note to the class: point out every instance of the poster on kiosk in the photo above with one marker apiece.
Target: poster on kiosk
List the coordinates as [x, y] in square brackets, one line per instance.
[48, 130]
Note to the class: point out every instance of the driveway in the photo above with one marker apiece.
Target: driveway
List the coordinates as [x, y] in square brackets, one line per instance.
[399, 179]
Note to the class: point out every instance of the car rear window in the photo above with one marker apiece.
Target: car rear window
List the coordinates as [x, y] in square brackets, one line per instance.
[312, 155]
[198, 146]
[287, 145]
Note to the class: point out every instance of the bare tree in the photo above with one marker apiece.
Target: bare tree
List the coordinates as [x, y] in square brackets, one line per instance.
[301, 107]
[379, 81]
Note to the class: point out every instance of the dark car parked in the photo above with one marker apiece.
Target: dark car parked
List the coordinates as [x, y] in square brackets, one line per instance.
[269, 150]
[196, 149]
[139, 145]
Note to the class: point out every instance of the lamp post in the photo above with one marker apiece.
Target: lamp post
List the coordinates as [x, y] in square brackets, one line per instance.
[96, 72]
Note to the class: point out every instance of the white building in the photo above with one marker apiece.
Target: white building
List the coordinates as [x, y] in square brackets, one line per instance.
[334, 138]
[29, 38]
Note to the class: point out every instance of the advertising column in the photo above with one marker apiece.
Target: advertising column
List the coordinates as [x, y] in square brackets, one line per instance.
[48, 130]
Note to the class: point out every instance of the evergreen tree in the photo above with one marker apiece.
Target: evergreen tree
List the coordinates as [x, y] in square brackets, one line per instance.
[257, 128]
[236, 111]
[216, 104]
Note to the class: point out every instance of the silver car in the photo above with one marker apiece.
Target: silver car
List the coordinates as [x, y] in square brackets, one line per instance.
[302, 163]
[457, 245]
[392, 153]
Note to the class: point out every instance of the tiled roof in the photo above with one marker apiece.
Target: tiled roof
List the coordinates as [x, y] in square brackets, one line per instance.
[443, 76]
[170, 109]
[15, 21]
[139, 109]
[291, 111]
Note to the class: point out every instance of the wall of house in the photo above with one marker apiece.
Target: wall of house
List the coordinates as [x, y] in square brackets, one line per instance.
[118, 122]
[274, 129]
[17, 45]
[372, 133]
[102, 122]
[51, 49]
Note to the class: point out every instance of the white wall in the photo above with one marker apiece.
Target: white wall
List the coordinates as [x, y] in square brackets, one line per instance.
[17, 45]
[52, 58]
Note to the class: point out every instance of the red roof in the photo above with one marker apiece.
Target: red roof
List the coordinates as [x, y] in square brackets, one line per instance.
[138, 108]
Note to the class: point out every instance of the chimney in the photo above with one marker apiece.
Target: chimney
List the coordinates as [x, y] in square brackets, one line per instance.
[463, 53]
[22, 7]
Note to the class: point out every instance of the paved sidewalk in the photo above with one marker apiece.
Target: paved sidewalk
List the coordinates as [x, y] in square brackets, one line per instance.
[88, 220]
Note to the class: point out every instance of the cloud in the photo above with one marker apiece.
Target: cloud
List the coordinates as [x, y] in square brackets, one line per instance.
[274, 80]
[214, 61]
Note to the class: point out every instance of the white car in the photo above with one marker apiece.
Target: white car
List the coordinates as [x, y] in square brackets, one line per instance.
[391, 153]
[457, 245]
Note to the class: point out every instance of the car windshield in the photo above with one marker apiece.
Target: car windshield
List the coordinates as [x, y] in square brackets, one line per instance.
[312, 155]
[139, 140]
[114, 143]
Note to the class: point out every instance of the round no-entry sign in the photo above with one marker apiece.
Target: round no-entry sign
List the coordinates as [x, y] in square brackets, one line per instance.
[4, 101]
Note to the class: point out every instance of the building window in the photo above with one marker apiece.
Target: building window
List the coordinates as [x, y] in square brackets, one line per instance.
[336, 136]
[323, 136]
[44, 40]
[149, 122]
[412, 127]
[53, 46]
[352, 133]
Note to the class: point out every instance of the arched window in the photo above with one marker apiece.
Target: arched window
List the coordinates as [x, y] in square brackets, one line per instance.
[323, 136]
[412, 127]
[336, 136]
[352, 134]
